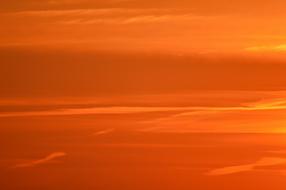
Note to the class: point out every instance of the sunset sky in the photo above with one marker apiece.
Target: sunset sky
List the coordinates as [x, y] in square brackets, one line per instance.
[141, 94]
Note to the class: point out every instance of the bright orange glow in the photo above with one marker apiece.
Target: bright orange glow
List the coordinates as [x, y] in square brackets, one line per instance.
[142, 95]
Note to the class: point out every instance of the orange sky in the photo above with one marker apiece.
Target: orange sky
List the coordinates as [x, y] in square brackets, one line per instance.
[140, 94]
[173, 26]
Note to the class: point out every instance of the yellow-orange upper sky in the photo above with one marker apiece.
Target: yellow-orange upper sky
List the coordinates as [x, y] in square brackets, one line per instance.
[176, 26]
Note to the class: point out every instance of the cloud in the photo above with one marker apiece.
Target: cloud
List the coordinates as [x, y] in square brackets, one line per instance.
[152, 145]
[257, 113]
[45, 160]
[257, 117]
[109, 15]
[277, 104]
[186, 110]
[277, 48]
[268, 161]
[103, 132]
[134, 19]
[95, 110]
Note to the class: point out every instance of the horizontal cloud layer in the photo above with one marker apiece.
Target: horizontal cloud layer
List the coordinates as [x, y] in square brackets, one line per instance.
[252, 117]
[247, 167]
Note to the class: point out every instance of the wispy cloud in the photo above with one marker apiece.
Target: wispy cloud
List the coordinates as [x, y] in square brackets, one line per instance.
[152, 145]
[47, 159]
[274, 48]
[268, 161]
[103, 132]
[186, 111]
[255, 117]
[95, 110]
[134, 19]
[110, 15]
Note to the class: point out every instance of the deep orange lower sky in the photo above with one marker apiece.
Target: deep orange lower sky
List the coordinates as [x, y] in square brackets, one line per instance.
[140, 94]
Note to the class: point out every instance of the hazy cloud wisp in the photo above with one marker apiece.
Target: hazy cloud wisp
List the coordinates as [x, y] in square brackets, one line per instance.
[267, 161]
[47, 159]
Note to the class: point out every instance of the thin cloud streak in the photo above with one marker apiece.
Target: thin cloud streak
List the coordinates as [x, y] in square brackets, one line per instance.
[134, 19]
[257, 106]
[277, 48]
[110, 16]
[90, 12]
[103, 132]
[274, 105]
[267, 161]
[96, 110]
[45, 160]
[151, 145]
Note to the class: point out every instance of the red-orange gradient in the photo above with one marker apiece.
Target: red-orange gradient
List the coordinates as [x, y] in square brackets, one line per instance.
[140, 94]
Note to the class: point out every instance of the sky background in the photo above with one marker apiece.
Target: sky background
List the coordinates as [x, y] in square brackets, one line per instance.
[133, 94]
